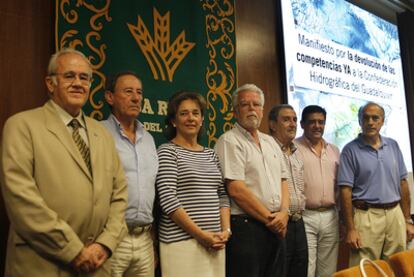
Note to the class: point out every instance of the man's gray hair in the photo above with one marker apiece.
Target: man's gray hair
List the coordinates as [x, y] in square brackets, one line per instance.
[51, 69]
[274, 112]
[250, 87]
[362, 109]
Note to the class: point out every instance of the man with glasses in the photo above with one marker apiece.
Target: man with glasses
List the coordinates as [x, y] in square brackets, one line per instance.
[320, 162]
[255, 175]
[63, 183]
[136, 148]
[374, 191]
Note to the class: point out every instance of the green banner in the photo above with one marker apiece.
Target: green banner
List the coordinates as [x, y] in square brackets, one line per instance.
[172, 45]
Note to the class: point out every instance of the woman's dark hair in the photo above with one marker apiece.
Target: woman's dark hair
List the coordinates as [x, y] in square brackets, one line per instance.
[173, 103]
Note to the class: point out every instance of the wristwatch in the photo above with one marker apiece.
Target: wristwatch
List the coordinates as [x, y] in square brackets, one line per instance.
[409, 221]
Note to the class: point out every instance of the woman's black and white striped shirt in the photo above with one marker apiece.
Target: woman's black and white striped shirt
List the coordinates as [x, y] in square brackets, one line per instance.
[190, 180]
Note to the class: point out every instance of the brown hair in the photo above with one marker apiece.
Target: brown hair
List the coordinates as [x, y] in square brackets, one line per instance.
[174, 102]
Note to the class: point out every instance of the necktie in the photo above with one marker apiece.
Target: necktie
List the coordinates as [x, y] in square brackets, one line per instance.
[80, 143]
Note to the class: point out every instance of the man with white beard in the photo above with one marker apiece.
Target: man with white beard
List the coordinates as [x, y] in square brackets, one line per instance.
[255, 175]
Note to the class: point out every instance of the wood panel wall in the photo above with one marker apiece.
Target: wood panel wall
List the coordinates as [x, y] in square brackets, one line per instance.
[258, 61]
[25, 45]
[26, 32]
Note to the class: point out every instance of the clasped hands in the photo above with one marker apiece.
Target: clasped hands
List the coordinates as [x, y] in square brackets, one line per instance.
[213, 240]
[90, 258]
[277, 223]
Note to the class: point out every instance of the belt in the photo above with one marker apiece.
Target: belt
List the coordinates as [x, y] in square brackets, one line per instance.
[134, 229]
[295, 216]
[321, 209]
[362, 205]
[241, 217]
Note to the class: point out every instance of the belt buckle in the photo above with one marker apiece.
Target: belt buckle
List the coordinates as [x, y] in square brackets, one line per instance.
[131, 228]
[361, 205]
[138, 230]
[296, 216]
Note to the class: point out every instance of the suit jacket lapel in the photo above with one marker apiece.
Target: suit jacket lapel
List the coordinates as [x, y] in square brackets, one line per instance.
[55, 125]
[95, 140]
[93, 143]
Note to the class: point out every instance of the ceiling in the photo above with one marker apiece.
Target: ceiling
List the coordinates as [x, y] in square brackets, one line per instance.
[386, 9]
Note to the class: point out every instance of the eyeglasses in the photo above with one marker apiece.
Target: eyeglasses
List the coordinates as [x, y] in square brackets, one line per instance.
[70, 77]
[246, 105]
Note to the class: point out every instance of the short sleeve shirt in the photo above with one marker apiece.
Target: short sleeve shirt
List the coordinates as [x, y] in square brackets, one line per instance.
[373, 174]
[260, 168]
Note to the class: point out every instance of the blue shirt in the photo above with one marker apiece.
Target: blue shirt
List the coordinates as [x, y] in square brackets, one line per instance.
[374, 175]
[140, 163]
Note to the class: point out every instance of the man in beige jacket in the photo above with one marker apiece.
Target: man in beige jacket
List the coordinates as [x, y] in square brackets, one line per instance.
[66, 203]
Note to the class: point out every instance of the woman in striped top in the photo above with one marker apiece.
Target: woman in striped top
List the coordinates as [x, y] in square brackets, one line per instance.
[194, 224]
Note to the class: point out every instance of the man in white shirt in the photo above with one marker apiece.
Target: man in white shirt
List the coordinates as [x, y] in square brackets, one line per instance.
[255, 174]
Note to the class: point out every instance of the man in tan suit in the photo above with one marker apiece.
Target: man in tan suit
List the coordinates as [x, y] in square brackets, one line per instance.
[63, 184]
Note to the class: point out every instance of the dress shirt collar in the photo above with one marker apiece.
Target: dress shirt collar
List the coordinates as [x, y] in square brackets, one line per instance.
[292, 146]
[139, 127]
[309, 144]
[246, 133]
[66, 117]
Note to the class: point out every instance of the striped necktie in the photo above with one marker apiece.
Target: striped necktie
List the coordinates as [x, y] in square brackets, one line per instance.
[80, 143]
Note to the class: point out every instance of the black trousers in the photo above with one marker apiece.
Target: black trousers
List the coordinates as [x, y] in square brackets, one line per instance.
[296, 249]
[253, 250]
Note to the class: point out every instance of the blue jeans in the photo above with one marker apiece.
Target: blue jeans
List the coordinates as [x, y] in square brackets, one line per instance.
[253, 250]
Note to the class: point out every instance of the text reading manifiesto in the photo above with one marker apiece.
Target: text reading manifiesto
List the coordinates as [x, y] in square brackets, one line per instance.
[328, 49]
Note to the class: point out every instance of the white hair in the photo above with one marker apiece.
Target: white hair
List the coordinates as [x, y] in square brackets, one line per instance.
[249, 87]
[51, 69]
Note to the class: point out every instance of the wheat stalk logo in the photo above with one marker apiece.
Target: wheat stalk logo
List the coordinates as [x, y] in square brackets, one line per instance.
[160, 54]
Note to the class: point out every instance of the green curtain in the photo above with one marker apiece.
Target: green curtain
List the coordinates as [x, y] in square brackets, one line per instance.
[171, 45]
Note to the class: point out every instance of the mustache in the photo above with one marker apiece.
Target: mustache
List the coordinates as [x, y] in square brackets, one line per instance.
[252, 113]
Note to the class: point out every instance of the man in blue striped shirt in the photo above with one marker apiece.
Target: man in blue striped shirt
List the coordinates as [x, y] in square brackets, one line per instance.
[282, 127]
[134, 255]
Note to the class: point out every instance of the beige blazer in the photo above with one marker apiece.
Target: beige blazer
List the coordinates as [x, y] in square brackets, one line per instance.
[54, 205]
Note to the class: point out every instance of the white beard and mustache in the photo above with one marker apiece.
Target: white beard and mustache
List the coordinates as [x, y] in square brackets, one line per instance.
[251, 121]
